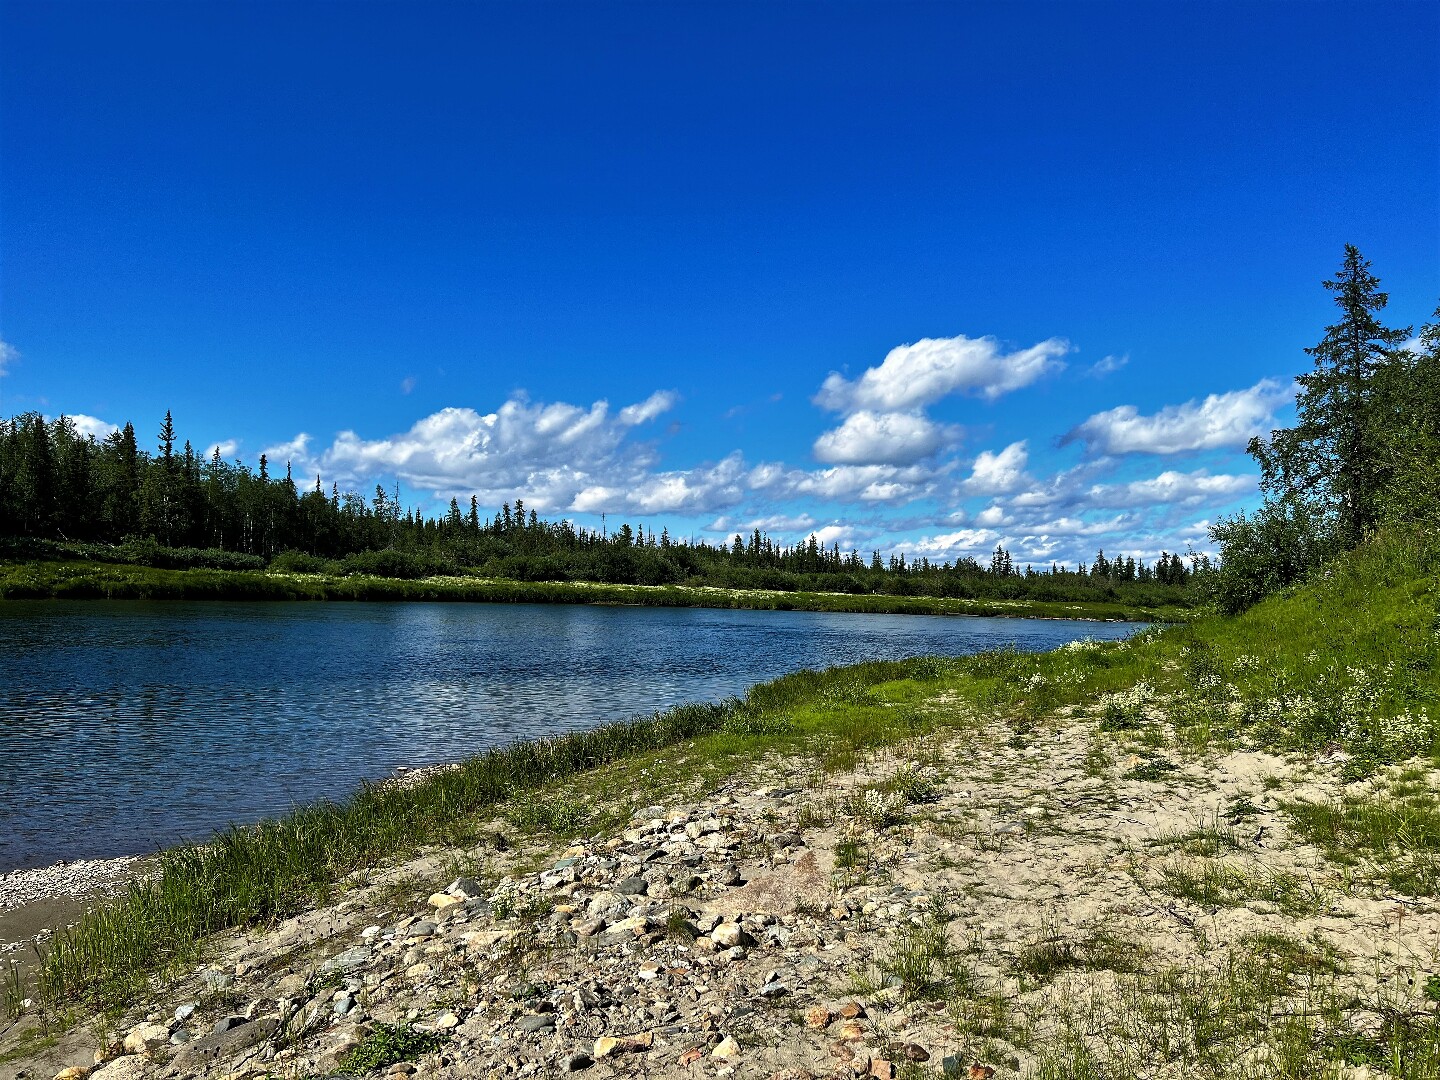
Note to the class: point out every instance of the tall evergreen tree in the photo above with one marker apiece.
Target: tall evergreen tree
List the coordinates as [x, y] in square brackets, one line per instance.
[1333, 450]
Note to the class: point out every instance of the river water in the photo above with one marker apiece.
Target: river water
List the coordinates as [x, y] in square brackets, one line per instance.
[125, 727]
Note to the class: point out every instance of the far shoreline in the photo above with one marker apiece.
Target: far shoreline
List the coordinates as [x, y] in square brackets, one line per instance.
[105, 581]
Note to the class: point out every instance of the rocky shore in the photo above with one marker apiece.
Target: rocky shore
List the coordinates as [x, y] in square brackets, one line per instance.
[974, 904]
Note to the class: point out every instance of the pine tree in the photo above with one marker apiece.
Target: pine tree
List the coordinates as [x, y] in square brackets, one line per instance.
[1333, 450]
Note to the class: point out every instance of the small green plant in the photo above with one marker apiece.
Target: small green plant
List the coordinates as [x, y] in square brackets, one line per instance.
[389, 1045]
[912, 785]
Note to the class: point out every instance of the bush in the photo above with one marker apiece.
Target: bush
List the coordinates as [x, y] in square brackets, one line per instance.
[396, 564]
[1279, 546]
[299, 562]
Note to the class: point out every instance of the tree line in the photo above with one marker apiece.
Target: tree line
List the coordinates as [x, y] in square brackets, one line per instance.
[1362, 454]
[110, 499]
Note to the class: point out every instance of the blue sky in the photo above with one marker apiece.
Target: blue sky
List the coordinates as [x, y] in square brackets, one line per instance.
[915, 277]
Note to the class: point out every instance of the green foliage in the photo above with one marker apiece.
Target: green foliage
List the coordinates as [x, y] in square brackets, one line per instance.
[389, 1044]
[1362, 450]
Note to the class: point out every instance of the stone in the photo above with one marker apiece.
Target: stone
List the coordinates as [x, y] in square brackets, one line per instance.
[726, 1048]
[228, 1023]
[146, 1037]
[852, 1030]
[536, 1022]
[689, 1057]
[631, 886]
[467, 888]
[216, 980]
[183, 1013]
[75, 1072]
[852, 1010]
[818, 1017]
[773, 990]
[727, 935]
[125, 1068]
[605, 1046]
[882, 1069]
[443, 902]
[915, 1052]
[447, 1021]
[348, 960]
[226, 1043]
[421, 929]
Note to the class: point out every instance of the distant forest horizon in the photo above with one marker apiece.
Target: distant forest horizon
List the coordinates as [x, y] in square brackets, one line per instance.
[65, 494]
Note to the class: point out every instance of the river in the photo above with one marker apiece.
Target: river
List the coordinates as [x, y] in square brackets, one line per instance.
[125, 727]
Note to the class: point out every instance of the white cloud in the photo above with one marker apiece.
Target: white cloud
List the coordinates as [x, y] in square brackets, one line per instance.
[227, 448]
[1221, 420]
[661, 401]
[995, 474]
[407, 384]
[551, 453]
[1171, 488]
[895, 438]
[867, 483]
[1107, 365]
[697, 490]
[8, 355]
[913, 376]
[93, 426]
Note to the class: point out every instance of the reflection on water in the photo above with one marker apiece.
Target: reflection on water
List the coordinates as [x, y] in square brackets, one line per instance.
[128, 726]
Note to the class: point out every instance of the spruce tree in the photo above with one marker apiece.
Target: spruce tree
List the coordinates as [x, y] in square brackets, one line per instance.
[1332, 452]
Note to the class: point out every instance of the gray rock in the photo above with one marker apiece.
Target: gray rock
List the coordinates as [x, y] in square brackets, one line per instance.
[421, 929]
[466, 887]
[536, 1022]
[228, 1023]
[348, 960]
[220, 1044]
[631, 886]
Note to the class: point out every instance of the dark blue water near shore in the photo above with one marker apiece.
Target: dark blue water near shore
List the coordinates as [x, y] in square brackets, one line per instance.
[129, 726]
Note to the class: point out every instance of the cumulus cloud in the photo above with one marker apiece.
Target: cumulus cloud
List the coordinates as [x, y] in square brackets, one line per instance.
[696, 490]
[1220, 420]
[227, 448]
[8, 355]
[558, 455]
[93, 426]
[913, 376]
[1171, 488]
[996, 473]
[866, 483]
[897, 438]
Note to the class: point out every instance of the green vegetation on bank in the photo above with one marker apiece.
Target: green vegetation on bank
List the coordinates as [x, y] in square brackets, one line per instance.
[92, 580]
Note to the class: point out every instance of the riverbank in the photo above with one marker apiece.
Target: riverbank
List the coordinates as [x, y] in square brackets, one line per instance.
[92, 580]
[983, 898]
[1211, 850]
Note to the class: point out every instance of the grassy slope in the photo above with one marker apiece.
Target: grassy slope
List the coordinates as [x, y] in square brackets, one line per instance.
[1348, 663]
[89, 580]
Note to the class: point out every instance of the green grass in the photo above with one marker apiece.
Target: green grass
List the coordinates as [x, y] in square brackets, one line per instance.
[47, 580]
[1397, 836]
